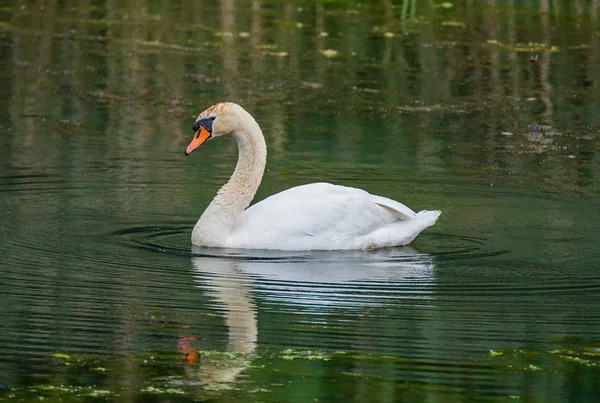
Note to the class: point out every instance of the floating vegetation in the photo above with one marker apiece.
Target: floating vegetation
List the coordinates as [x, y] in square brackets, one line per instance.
[329, 53]
[216, 388]
[60, 356]
[291, 24]
[419, 107]
[52, 391]
[266, 46]
[276, 54]
[290, 354]
[158, 373]
[367, 90]
[551, 360]
[224, 374]
[73, 393]
[531, 47]
[162, 391]
[385, 30]
[453, 24]
[164, 45]
[270, 49]
[444, 5]
[223, 34]
[259, 390]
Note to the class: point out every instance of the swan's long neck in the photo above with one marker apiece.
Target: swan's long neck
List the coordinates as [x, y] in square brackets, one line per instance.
[214, 226]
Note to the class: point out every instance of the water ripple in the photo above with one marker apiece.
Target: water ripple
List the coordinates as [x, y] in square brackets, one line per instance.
[175, 240]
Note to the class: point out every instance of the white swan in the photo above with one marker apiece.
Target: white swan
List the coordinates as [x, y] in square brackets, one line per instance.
[318, 216]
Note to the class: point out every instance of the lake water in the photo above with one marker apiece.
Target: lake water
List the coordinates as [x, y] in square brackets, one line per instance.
[488, 111]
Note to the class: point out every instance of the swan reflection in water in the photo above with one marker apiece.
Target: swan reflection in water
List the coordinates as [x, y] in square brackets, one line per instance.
[314, 282]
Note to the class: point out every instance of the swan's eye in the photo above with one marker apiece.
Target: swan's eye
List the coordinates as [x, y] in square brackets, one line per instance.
[207, 123]
[199, 123]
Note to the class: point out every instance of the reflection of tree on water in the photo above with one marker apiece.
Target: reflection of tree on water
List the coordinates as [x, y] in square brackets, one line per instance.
[136, 62]
[320, 280]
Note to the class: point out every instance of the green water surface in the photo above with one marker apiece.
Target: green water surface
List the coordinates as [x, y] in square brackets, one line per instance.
[487, 110]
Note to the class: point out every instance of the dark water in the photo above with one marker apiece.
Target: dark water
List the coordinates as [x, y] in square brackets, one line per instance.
[488, 111]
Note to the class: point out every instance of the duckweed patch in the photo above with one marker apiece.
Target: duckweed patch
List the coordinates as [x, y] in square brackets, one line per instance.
[266, 372]
[163, 391]
[58, 393]
[73, 393]
[290, 354]
[556, 359]
[533, 47]
[453, 23]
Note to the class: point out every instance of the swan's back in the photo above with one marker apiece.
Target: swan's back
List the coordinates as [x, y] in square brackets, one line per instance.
[327, 217]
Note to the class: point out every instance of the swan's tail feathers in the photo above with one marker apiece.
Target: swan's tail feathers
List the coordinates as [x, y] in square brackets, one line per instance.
[401, 232]
[428, 217]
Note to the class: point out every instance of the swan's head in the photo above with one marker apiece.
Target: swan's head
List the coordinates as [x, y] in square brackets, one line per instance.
[218, 120]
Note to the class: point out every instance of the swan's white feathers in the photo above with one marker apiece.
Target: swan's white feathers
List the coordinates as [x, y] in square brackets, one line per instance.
[317, 216]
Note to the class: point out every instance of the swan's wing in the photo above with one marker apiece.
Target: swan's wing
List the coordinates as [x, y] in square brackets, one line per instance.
[321, 189]
[310, 216]
[399, 209]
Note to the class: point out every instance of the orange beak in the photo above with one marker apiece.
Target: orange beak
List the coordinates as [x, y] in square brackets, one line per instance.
[200, 137]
